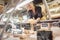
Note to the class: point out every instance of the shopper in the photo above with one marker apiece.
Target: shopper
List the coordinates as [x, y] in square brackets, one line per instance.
[35, 12]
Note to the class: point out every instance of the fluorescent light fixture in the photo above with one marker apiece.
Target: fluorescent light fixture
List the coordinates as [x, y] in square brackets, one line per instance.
[10, 10]
[19, 8]
[23, 3]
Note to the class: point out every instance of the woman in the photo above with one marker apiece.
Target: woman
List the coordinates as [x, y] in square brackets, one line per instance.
[35, 12]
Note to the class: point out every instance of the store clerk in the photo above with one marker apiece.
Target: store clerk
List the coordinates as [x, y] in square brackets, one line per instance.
[35, 12]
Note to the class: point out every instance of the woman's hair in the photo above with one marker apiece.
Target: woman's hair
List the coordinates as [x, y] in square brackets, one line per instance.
[35, 2]
[33, 5]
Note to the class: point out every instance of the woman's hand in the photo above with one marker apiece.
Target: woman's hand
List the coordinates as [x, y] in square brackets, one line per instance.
[38, 19]
[32, 21]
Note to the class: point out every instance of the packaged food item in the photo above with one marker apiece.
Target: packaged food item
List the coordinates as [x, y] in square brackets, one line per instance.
[44, 35]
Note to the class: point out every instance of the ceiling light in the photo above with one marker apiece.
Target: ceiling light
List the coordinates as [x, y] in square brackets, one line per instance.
[19, 8]
[10, 10]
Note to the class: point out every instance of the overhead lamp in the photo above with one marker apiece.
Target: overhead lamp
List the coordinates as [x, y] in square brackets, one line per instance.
[19, 8]
[10, 10]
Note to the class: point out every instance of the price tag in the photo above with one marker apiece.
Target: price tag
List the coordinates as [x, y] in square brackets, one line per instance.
[44, 24]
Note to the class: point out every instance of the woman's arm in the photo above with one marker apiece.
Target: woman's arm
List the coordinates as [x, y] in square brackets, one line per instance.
[38, 19]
